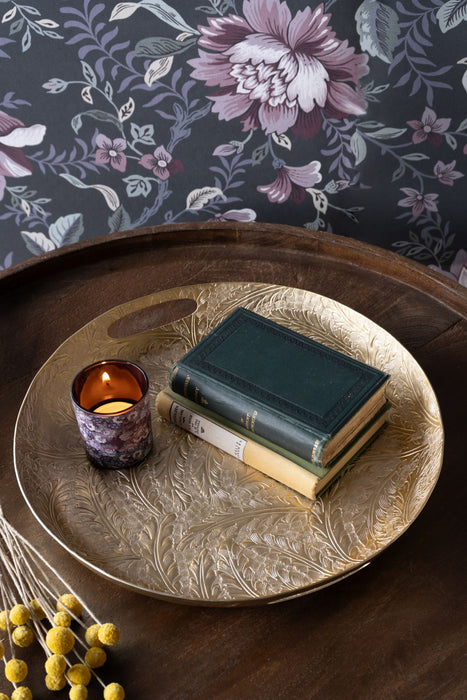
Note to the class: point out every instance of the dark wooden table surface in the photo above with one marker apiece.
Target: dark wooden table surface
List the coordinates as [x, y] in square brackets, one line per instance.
[396, 629]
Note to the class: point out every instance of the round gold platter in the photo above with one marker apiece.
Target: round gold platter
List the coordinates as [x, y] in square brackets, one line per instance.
[192, 524]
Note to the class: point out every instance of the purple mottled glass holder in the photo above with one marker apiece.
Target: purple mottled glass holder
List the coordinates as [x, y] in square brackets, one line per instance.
[113, 440]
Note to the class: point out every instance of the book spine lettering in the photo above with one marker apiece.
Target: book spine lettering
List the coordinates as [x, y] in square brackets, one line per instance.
[248, 451]
[230, 425]
[253, 416]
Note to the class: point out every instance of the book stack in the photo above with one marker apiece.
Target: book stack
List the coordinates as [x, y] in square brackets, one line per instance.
[293, 408]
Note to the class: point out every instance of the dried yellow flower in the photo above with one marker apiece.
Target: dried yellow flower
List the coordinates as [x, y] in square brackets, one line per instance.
[55, 682]
[16, 670]
[108, 634]
[4, 697]
[55, 665]
[114, 691]
[79, 674]
[19, 614]
[5, 620]
[95, 657]
[21, 693]
[60, 640]
[69, 603]
[92, 636]
[62, 619]
[23, 636]
[78, 692]
[37, 609]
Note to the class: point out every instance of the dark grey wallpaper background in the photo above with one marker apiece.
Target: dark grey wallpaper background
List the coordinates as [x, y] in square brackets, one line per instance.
[345, 116]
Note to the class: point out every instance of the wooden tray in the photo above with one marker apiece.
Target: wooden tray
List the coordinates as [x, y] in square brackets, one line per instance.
[193, 524]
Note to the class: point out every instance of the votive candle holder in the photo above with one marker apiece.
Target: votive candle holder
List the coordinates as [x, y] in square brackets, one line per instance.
[111, 403]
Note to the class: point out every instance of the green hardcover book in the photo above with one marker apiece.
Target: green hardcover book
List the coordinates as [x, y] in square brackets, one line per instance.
[280, 385]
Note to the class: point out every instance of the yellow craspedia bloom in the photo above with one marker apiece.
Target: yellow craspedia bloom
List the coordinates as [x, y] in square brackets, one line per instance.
[92, 636]
[55, 665]
[21, 693]
[108, 633]
[78, 692]
[60, 640]
[37, 609]
[5, 620]
[114, 691]
[69, 603]
[23, 636]
[16, 670]
[62, 619]
[95, 657]
[4, 697]
[55, 682]
[19, 614]
[79, 674]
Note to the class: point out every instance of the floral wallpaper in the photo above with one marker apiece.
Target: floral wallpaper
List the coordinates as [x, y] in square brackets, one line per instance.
[348, 117]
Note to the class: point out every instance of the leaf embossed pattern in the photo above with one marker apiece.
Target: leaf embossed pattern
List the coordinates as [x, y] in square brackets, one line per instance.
[192, 523]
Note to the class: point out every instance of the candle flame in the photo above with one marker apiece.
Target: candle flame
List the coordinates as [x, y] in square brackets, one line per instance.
[105, 377]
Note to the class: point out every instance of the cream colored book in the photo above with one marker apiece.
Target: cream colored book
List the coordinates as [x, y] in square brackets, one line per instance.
[190, 417]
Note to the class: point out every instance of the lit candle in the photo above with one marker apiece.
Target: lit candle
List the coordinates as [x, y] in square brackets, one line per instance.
[113, 407]
[111, 402]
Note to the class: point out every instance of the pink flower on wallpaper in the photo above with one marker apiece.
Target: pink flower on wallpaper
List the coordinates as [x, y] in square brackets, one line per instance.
[111, 151]
[13, 137]
[418, 201]
[292, 183]
[445, 172]
[429, 128]
[161, 163]
[277, 72]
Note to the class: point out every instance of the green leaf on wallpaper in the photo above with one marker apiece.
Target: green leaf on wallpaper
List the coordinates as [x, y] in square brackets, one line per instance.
[358, 146]
[259, 154]
[161, 47]
[98, 115]
[76, 123]
[142, 134]
[387, 133]
[37, 243]
[378, 28]
[398, 173]
[119, 220]
[26, 40]
[67, 229]
[109, 194]
[16, 26]
[451, 14]
[451, 140]
[415, 156]
[137, 185]
[88, 73]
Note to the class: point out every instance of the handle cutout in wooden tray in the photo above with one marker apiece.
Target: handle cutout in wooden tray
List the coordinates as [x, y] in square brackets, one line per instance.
[151, 317]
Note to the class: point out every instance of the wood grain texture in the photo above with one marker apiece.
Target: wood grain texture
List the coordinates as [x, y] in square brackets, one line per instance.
[396, 629]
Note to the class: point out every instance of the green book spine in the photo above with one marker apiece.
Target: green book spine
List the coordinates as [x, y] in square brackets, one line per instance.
[248, 413]
[275, 383]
